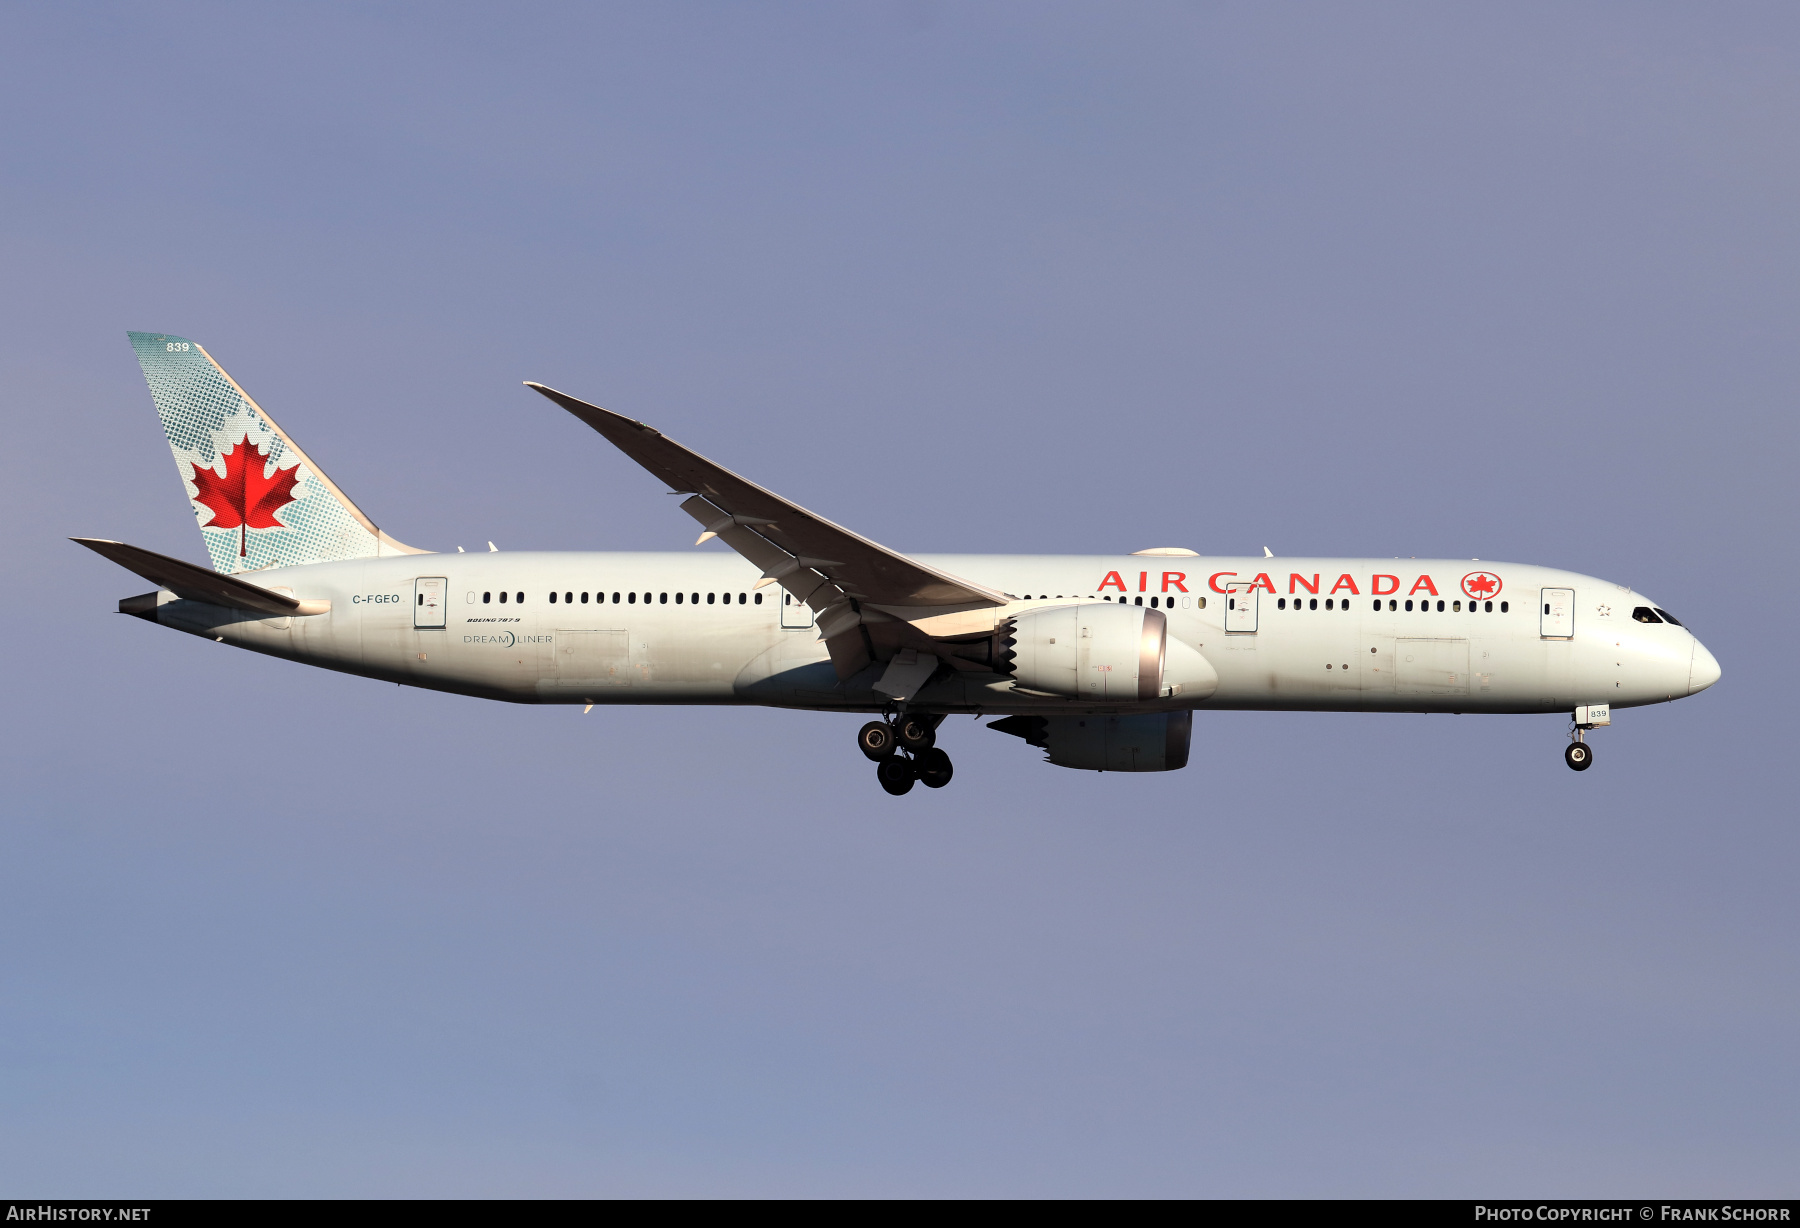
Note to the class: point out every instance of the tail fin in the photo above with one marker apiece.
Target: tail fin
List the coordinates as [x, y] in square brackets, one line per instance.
[260, 500]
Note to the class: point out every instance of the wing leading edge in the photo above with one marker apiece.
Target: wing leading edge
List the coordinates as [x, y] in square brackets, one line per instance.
[870, 602]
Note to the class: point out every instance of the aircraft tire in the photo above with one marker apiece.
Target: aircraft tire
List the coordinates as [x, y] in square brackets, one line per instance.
[1579, 756]
[915, 734]
[935, 769]
[876, 740]
[896, 775]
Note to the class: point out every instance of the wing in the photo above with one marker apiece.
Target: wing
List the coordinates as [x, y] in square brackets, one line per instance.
[871, 602]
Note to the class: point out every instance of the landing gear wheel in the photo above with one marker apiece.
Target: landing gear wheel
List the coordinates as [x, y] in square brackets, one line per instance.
[915, 734]
[934, 768]
[876, 740]
[895, 775]
[1579, 756]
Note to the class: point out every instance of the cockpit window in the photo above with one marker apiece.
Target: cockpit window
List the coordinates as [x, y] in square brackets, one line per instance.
[1668, 617]
[1644, 614]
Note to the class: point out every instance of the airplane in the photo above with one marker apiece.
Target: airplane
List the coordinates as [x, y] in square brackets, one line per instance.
[1099, 661]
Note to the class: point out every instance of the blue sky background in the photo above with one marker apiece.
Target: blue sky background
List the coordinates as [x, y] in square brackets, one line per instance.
[1512, 281]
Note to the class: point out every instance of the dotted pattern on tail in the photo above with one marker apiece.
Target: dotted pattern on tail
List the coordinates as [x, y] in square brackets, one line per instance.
[203, 414]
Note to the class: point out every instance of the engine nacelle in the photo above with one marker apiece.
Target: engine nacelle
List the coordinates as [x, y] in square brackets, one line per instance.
[1104, 653]
[1150, 742]
[1096, 650]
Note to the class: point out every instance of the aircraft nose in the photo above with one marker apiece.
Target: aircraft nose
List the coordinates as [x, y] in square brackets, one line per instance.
[1703, 671]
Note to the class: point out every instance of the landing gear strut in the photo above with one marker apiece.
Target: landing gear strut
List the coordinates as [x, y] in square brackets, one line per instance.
[922, 761]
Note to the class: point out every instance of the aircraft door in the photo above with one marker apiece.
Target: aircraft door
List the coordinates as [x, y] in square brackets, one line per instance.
[795, 613]
[1240, 606]
[1556, 614]
[428, 601]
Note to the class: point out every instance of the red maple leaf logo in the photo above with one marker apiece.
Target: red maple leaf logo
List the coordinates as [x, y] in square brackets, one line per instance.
[1481, 584]
[244, 499]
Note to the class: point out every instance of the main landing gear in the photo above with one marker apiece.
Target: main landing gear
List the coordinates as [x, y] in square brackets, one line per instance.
[905, 750]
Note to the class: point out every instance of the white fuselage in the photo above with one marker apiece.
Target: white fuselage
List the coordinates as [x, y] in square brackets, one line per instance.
[1319, 641]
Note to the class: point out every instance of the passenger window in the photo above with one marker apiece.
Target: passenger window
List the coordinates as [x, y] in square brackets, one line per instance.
[1313, 604]
[519, 597]
[1643, 614]
[1487, 607]
[1409, 605]
[502, 598]
[1391, 604]
[1281, 603]
[584, 599]
[615, 599]
[568, 597]
[1668, 617]
[1328, 603]
[1203, 603]
[695, 599]
[1456, 607]
[677, 598]
[552, 598]
[486, 597]
[1152, 602]
[664, 599]
[1440, 607]
[758, 598]
[709, 598]
[1503, 606]
[631, 598]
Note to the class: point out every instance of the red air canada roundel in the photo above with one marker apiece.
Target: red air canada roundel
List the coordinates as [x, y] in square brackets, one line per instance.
[1481, 585]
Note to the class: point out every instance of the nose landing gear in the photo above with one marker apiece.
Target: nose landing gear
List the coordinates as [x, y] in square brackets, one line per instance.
[1578, 754]
[882, 741]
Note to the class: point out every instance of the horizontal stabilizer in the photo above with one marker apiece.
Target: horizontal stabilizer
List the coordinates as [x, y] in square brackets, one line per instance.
[194, 583]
